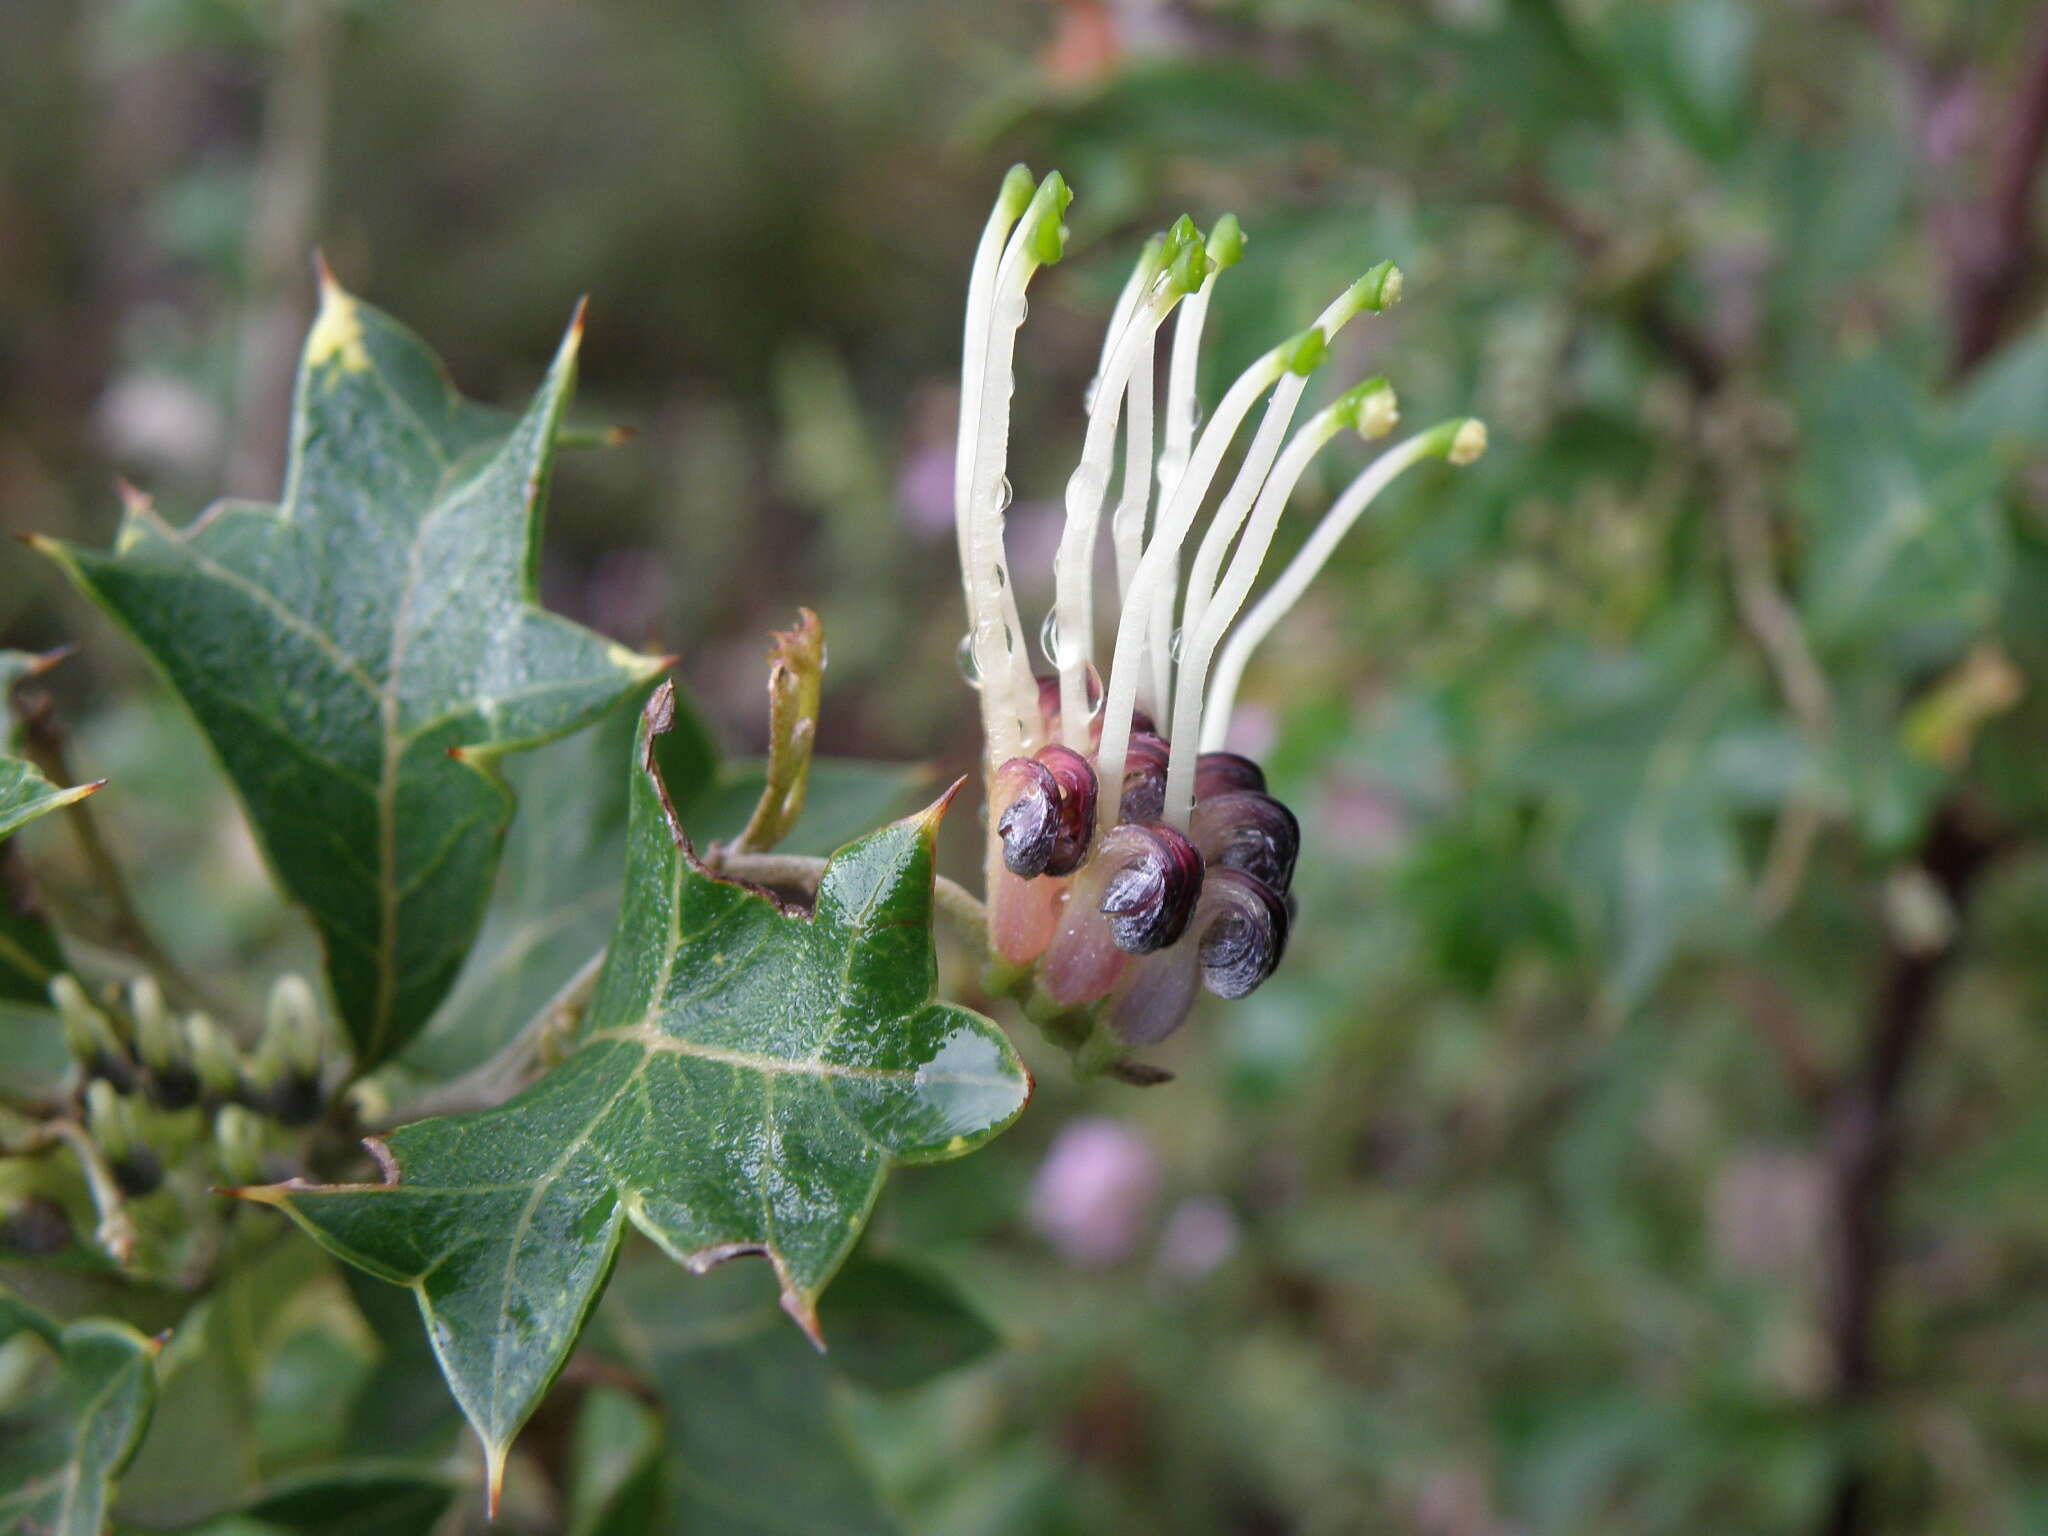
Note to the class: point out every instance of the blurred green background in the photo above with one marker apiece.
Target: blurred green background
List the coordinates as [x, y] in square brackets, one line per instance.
[1648, 1130]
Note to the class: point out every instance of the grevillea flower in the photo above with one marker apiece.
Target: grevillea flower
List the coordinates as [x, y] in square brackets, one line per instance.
[1131, 859]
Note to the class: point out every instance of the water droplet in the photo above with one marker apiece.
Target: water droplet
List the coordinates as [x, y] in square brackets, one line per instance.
[970, 669]
[1173, 650]
[1049, 638]
[1088, 394]
[1196, 415]
[1004, 495]
[1002, 577]
[1023, 310]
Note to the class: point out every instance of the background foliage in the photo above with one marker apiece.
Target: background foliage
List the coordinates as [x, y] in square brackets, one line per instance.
[1644, 1133]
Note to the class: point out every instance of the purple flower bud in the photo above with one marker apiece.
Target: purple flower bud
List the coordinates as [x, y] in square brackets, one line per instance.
[1244, 829]
[1049, 705]
[1046, 811]
[1154, 996]
[1155, 878]
[1242, 923]
[1219, 772]
[1144, 796]
[1028, 815]
[1075, 823]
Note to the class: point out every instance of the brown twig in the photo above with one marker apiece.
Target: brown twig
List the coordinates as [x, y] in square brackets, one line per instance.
[1863, 1131]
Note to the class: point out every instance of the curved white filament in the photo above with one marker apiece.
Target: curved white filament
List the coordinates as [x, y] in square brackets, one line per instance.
[1287, 589]
[1199, 643]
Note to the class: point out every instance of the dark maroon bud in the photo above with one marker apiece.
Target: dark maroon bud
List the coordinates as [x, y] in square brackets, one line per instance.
[139, 1173]
[1243, 829]
[1074, 819]
[174, 1087]
[1144, 796]
[35, 1229]
[1242, 923]
[1154, 996]
[295, 1100]
[1155, 880]
[1219, 772]
[1049, 703]
[1027, 799]
[1141, 720]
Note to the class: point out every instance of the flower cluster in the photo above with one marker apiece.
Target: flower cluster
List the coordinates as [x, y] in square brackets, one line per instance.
[1125, 874]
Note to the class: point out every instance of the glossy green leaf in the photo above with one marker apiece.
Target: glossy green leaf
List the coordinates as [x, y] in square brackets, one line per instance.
[25, 794]
[29, 955]
[558, 887]
[360, 654]
[746, 1078]
[616, 1486]
[754, 1443]
[356, 1498]
[60, 1454]
[895, 1324]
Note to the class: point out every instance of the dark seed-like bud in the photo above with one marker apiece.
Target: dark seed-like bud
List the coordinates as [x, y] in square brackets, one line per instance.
[139, 1173]
[35, 1229]
[1242, 923]
[1074, 823]
[175, 1087]
[1244, 829]
[294, 1100]
[1027, 816]
[1218, 772]
[1144, 797]
[1046, 811]
[1049, 704]
[1049, 710]
[1155, 880]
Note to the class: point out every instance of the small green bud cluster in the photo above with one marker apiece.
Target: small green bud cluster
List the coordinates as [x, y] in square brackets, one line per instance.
[157, 1093]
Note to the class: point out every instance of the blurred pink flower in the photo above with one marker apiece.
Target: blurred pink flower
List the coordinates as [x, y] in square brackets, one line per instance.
[1200, 1234]
[1094, 1194]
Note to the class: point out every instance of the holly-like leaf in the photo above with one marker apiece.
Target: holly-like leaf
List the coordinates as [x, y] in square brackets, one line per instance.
[360, 654]
[29, 955]
[25, 794]
[747, 1076]
[896, 1324]
[60, 1453]
[754, 1442]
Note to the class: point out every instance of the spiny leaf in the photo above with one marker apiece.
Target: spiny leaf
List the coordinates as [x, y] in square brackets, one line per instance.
[754, 1443]
[896, 1324]
[29, 955]
[747, 1077]
[25, 794]
[58, 1462]
[361, 653]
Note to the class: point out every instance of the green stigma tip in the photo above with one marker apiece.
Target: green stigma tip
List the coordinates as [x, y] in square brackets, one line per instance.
[1226, 242]
[1304, 354]
[1191, 266]
[1378, 289]
[1018, 186]
[1048, 240]
[1364, 406]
